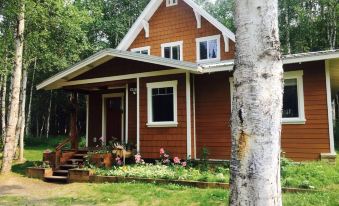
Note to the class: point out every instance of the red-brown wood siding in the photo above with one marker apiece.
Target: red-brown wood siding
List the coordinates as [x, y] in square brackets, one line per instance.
[299, 141]
[213, 110]
[95, 118]
[132, 115]
[178, 23]
[172, 139]
[306, 142]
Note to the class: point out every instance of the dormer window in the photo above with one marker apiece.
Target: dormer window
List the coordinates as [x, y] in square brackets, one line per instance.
[142, 50]
[208, 48]
[171, 2]
[172, 50]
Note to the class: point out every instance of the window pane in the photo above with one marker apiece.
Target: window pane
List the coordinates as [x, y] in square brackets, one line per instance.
[167, 52]
[144, 52]
[203, 50]
[212, 49]
[162, 103]
[290, 99]
[176, 52]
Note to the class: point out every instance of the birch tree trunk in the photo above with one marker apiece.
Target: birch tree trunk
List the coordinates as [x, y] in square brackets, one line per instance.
[49, 115]
[28, 120]
[3, 106]
[257, 105]
[14, 106]
[23, 115]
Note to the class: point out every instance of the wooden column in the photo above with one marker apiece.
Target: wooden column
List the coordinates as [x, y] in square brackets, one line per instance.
[73, 121]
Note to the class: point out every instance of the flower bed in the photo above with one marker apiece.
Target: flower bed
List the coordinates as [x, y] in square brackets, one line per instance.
[166, 172]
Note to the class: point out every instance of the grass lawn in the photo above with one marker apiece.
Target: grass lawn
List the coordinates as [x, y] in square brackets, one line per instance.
[18, 190]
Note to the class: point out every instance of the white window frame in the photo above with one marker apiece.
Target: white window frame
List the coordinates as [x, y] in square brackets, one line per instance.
[170, 3]
[173, 44]
[207, 38]
[155, 85]
[139, 49]
[300, 90]
[298, 75]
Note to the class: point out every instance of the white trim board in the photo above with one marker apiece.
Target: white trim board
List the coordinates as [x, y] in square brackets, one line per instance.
[329, 107]
[153, 6]
[207, 39]
[103, 115]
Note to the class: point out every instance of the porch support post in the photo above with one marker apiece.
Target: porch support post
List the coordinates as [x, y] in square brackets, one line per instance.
[329, 108]
[138, 114]
[188, 115]
[73, 121]
[87, 118]
[126, 115]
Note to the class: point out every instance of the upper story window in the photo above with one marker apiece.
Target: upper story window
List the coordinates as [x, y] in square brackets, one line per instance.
[171, 2]
[142, 50]
[172, 50]
[162, 104]
[208, 48]
[293, 98]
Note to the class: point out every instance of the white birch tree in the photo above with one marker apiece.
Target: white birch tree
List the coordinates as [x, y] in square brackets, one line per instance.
[14, 103]
[257, 105]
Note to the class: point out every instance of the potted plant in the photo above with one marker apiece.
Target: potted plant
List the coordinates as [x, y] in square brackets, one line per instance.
[39, 170]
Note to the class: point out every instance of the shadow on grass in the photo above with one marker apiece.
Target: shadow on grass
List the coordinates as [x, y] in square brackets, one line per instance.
[20, 168]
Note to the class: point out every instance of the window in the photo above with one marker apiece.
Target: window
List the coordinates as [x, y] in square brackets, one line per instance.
[142, 50]
[162, 104]
[293, 98]
[171, 2]
[208, 48]
[172, 50]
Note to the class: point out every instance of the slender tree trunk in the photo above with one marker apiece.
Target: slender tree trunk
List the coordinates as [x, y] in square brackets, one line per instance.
[257, 105]
[23, 114]
[14, 107]
[287, 22]
[49, 115]
[3, 106]
[42, 126]
[28, 121]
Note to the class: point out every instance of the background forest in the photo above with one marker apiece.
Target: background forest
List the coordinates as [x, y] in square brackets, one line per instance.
[59, 33]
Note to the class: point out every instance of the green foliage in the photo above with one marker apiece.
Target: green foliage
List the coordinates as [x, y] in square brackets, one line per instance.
[166, 172]
[204, 159]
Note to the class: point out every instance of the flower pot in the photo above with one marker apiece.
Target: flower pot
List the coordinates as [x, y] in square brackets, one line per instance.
[40, 173]
[102, 160]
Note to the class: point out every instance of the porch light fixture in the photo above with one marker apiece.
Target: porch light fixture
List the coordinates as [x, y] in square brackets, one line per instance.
[134, 90]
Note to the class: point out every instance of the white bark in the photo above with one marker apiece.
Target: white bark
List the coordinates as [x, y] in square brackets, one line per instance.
[257, 105]
[28, 120]
[49, 115]
[14, 105]
[23, 114]
[3, 105]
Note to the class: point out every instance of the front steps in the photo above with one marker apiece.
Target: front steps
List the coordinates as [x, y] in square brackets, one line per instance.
[61, 175]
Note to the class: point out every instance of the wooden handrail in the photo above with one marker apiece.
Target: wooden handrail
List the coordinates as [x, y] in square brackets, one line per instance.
[63, 143]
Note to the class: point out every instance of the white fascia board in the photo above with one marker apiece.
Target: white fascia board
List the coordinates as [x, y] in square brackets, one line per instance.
[307, 57]
[133, 32]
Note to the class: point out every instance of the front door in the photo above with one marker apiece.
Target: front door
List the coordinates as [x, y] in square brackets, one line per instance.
[113, 118]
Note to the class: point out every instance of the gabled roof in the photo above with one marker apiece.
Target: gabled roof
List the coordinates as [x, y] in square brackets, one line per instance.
[108, 54]
[149, 11]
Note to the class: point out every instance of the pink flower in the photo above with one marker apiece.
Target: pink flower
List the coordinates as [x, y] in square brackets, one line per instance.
[138, 159]
[162, 151]
[118, 160]
[166, 155]
[184, 164]
[176, 160]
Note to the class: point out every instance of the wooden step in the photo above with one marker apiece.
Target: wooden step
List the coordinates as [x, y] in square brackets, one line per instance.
[68, 166]
[56, 179]
[79, 155]
[60, 173]
[74, 161]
